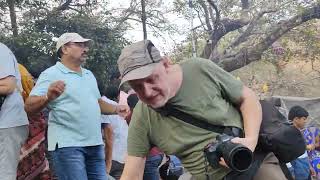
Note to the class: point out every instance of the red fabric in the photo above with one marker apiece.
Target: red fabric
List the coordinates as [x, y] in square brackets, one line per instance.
[154, 151]
[33, 163]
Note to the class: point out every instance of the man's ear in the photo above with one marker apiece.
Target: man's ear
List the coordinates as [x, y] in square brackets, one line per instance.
[166, 61]
[294, 119]
[63, 50]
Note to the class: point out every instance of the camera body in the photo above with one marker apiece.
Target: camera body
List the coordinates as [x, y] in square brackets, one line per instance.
[238, 157]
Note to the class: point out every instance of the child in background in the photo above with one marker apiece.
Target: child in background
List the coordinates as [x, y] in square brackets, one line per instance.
[301, 167]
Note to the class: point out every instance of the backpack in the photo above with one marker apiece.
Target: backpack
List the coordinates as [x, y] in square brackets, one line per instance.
[277, 135]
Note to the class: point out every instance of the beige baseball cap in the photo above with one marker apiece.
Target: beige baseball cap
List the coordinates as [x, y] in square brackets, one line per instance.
[138, 60]
[69, 37]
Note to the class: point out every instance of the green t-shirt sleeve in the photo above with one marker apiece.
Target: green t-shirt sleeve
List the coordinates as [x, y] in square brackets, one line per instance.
[230, 87]
[138, 140]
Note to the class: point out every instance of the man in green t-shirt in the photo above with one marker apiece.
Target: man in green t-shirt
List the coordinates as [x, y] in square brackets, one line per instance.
[197, 87]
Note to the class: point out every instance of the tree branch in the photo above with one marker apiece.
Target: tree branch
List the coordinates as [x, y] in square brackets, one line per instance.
[206, 15]
[217, 19]
[227, 25]
[221, 28]
[248, 55]
[64, 6]
[243, 37]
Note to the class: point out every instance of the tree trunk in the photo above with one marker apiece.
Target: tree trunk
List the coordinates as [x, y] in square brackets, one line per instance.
[144, 19]
[13, 17]
[206, 15]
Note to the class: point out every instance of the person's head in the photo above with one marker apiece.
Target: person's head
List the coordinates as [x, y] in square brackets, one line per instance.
[72, 47]
[299, 116]
[132, 101]
[142, 66]
[112, 93]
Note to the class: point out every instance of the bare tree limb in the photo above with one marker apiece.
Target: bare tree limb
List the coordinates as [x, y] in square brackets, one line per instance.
[206, 15]
[211, 15]
[227, 25]
[248, 55]
[200, 18]
[243, 37]
[139, 20]
[221, 28]
[217, 19]
[64, 6]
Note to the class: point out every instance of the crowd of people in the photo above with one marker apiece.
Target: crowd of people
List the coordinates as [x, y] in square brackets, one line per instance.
[131, 133]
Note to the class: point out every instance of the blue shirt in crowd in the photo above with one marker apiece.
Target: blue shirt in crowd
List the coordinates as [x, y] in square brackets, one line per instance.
[74, 118]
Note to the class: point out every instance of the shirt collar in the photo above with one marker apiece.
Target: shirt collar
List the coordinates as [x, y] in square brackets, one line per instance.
[66, 70]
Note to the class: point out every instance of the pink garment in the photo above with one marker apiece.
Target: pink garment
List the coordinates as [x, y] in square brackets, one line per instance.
[123, 98]
[154, 151]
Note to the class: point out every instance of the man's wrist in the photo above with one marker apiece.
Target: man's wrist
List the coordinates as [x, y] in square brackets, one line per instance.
[115, 109]
[46, 99]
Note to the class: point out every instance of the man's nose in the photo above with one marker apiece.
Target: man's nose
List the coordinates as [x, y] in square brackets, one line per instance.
[147, 90]
[85, 49]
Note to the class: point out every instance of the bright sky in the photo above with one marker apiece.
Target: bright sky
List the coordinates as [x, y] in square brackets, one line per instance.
[166, 42]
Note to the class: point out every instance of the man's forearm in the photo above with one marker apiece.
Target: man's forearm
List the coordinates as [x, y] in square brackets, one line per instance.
[35, 104]
[7, 85]
[5, 90]
[108, 135]
[251, 113]
[107, 108]
[133, 168]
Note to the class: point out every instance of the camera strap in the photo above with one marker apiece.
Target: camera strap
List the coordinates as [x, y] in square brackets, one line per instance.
[170, 110]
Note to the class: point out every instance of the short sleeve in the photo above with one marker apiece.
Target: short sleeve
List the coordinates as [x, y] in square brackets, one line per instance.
[138, 140]
[7, 62]
[42, 85]
[230, 87]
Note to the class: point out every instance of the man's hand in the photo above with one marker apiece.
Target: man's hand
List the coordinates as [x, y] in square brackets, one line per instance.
[310, 147]
[313, 172]
[249, 142]
[55, 90]
[223, 163]
[122, 110]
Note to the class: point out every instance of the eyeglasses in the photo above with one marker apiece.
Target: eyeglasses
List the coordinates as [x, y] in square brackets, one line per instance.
[79, 44]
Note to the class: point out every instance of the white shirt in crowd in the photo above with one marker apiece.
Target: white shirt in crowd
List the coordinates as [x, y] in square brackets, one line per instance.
[120, 133]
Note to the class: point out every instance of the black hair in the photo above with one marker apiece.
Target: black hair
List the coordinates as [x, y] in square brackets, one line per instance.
[132, 100]
[112, 93]
[59, 52]
[297, 111]
[115, 75]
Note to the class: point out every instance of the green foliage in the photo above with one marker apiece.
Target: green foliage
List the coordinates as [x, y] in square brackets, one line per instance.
[35, 48]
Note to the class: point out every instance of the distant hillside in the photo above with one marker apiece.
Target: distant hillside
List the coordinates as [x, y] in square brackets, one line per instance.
[296, 77]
